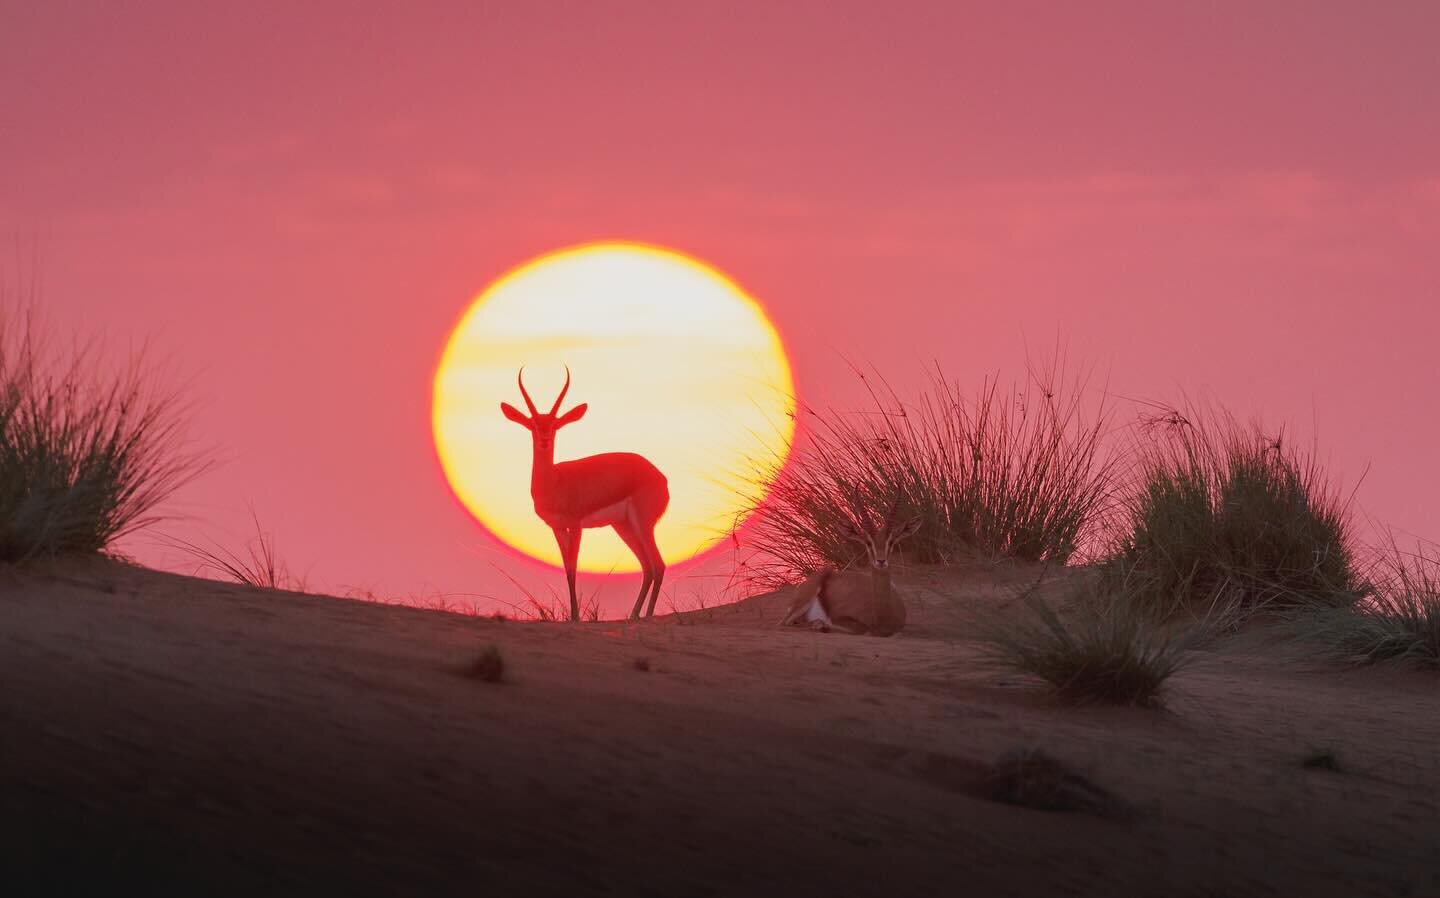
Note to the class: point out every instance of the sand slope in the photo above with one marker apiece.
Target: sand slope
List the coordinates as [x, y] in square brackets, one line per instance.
[178, 734]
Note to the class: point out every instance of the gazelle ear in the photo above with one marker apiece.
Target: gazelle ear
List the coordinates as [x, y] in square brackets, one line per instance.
[514, 414]
[575, 414]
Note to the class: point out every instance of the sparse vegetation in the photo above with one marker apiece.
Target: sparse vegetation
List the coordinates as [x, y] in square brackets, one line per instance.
[87, 453]
[532, 608]
[1396, 622]
[642, 665]
[438, 601]
[1225, 514]
[1016, 474]
[1030, 778]
[554, 607]
[488, 667]
[1106, 649]
[260, 565]
[434, 600]
[704, 595]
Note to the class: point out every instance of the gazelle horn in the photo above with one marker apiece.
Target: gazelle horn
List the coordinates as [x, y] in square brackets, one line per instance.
[524, 393]
[563, 390]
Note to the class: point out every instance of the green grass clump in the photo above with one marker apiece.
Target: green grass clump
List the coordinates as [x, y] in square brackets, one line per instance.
[1105, 649]
[1223, 512]
[1396, 622]
[1012, 474]
[86, 454]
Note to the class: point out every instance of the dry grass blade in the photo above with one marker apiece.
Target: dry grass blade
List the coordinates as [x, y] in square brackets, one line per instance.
[432, 600]
[554, 608]
[260, 565]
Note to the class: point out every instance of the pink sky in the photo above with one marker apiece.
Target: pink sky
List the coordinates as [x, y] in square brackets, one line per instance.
[1240, 199]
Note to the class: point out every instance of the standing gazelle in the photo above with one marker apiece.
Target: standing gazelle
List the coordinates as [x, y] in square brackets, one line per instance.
[854, 601]
[614, 489]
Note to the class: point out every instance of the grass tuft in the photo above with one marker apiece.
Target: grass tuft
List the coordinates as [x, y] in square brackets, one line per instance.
[1030, 778]
[1106, 649]
[489, 666]
[86, 453]
[1396, 622]
[1225, 513]
[1015, 474]
[260, 565]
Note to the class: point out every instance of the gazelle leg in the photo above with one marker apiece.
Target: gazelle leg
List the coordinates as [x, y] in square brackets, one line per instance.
[569, 542]
[657, 565]
[637, 545]
[806, 606]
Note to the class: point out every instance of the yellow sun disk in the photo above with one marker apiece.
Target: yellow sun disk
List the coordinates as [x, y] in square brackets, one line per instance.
[676, 362]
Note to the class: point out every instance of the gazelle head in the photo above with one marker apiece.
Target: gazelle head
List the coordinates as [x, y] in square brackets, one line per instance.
[880, 541]
[543, 426]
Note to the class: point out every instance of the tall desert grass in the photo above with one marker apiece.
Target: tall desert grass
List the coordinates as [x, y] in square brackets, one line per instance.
[87, 452]
[1016, 473]
[1222, 512]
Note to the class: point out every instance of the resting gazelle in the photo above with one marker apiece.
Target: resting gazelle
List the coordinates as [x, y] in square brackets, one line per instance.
[856, 601]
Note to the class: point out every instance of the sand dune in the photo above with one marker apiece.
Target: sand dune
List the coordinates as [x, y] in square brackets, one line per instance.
[169, 733]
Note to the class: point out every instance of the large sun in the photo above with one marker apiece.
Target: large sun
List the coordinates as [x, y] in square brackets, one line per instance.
[676, 362]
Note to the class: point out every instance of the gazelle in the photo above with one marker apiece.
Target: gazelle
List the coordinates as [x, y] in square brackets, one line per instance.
[614, 489]
[855, 601]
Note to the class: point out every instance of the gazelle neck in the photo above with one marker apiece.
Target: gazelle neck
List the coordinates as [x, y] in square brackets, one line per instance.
[542, 465]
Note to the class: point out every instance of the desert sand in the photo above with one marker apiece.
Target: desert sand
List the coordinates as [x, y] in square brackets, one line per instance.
[165, 734]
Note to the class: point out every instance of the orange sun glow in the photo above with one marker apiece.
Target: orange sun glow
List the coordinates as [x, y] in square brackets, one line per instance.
[676, 361]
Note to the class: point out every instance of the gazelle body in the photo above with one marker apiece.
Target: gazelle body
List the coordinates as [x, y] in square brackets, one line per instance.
[614, 489]
[855, 601]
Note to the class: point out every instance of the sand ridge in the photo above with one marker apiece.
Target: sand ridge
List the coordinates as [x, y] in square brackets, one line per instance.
[178, 733]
